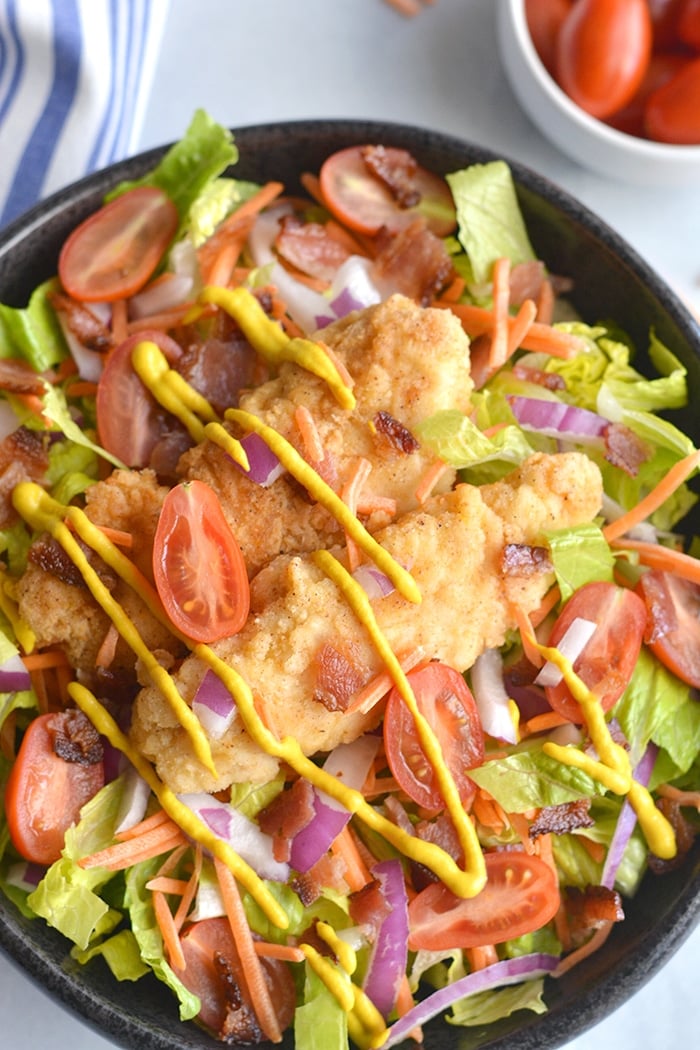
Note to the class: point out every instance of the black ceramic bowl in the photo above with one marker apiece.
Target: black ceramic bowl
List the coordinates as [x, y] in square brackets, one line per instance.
[610, 281]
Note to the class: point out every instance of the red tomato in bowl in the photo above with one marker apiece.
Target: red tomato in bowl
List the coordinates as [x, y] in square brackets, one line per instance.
[606, 663]
[603, 52]
[672, 112]
[689, 23]
[544, 20]
[663, 65]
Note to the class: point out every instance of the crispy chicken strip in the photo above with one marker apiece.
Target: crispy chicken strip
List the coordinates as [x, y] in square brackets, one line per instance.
[453, 547]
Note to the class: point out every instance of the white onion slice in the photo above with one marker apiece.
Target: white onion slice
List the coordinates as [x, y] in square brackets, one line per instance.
[491, 696]
[88, 362]
[214, 706]
[162, 295]
[8, 419]
[243, 835]
[352, 287]
[134, 801]
[571, 645]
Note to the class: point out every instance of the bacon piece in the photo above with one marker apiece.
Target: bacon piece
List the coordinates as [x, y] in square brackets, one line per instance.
[562, 818]
[75, 739]
[368, 906]
[23, 456]
[683, 831]
[526, 280]
[398, 437]
[395, 171]
[81, 322]
[288, 814]
[220, 366]
[308, 247]
[590, 908]
[520, 559]
[548, 380]
[413, 261]
[18, 377]
[338, 678]
[327, 873]
[624, 449]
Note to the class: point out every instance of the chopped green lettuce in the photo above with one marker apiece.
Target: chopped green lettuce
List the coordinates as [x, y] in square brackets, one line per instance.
[218, 198]
[32, 333]
[580, 555]
[56, 409]
[484, 1008]
[529, 779]
[320, 1023]
[458, 441]
[120, 952]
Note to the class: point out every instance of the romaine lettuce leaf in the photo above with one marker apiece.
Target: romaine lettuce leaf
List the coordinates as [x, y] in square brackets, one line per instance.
[484, 1008]
[579, 555]
[33, 333]
[320, 1023]
[458, 441]
[120, 952]
[529, 779]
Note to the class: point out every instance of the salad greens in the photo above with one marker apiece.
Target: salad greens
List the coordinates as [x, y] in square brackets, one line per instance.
[109, 915]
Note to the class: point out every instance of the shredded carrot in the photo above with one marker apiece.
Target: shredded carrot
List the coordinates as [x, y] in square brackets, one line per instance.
[656, 556]
[127, 852]
[285, 952]
[480, 957]
[310, 437]
[453, 292]
[167, 884]
[350, 494]
[254, 975]
[684, 798]
[545, 303]
[120, 318]
[240, 219]
[108, 647]
[164, 320]
[488, 812]
[188, 896]
[218, 268]
[500, 333]
[549, 602]
[339, 365]
[521, 325]
[597, 941]
[377, 688]
[542, 723]
[312, 185]
[595, 850]
[654, 499]
[119, 537]
[521, 826]
[356, 872]
[166, 925]
[527, 636]
[147, 824]
[404, 1003]
[82, 388]
[264, 713]
[47, 658]
[435, 471]
[544, 850]
[478, 320]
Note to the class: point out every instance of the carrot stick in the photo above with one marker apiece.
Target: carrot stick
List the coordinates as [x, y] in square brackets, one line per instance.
[478, 320]
[164, 320]
[312, 186]
[656, 556]
[125, 853]
[550, 600]
[481, 957]
[82, 388]
[453, 292]
[520, 326]
[40, 661]
[183, 907]
[545, 303]
[527, 636]
[147, 824]
[311, 439]
[167, 884]
[542, 723]
[171, 940]
[258, 990]
[356, 873]
[597, 941]
[430, 479]
[285, 952]
[108, 647]
[654, 499]
[544, 850]
[404, 1003]
[377, 688]
[120, 328]
[684, 798]
[369, 504]
[350, 493]
[498, 350]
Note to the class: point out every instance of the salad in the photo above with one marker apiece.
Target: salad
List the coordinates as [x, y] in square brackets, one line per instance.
[350, 644]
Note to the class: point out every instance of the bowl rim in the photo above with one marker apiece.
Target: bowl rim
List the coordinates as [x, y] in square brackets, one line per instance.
[98, 1009]
[643, 149]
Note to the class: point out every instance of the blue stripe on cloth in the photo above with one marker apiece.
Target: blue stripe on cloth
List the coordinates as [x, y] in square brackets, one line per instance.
[98, 150]
[18, 58]
[136, 48]
[32, 168]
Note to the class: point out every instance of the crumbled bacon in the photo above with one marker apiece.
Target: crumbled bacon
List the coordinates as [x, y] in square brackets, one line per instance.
[288, 814]
[394, 434]
[520, 559]
[369, 906]
[562, 818]
[48, 555]
[23, 456]
[548, 380]
[526, 280]
[396, 171]
[413, 261]
[309, 247]
[81, 322]
[240, 1025]
[327, 873]
[18, 377]
[75, 739]
[683, 832]
[587, 909]
[338, 677]
[624, 449]
[221, 365]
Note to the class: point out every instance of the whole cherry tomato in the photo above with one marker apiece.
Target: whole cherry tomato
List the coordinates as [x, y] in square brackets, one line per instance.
[544, 20]
[662, 66]
[672, 112]
[689, 24]
[603, 52]
[665, 15]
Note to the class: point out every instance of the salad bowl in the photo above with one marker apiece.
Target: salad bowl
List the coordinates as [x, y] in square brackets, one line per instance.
[610, 282]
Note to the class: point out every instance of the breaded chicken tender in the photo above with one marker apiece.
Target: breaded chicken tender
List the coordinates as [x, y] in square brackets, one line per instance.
[59, 607]
[453, 546]
[407, 363]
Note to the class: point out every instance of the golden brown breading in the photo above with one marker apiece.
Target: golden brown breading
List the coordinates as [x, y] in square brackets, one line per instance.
[453, 548]
[404, 360]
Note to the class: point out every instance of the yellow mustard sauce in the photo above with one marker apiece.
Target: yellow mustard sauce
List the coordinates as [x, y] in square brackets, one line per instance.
[613, 768]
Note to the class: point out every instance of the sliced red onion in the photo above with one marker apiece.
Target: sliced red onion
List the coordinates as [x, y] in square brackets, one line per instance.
[558, 420]
[264, 466]
[14, 676]
[375, 583]
[627, 820]
[350, 764]
[388, 955]
[25, 875]
[161, 295]
[352, 287]
[243, 835]
[214, 706]
[508, 971]
[134, 801]
[491, 696]
[571, 645]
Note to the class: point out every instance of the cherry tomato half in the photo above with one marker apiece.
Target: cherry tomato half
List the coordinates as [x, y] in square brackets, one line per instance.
[357, 198]
[198, 566]
[521, 895]
[608, 660]
[130, 422]
[673, 631]
[45, 792]
[672, 112]
[445, 700]
[113, 253]
[602, 53]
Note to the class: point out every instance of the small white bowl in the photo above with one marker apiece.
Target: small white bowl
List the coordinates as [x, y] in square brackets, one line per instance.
[585, 139]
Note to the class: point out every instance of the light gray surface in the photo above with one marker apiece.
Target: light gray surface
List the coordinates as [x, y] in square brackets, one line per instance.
[274, 60]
